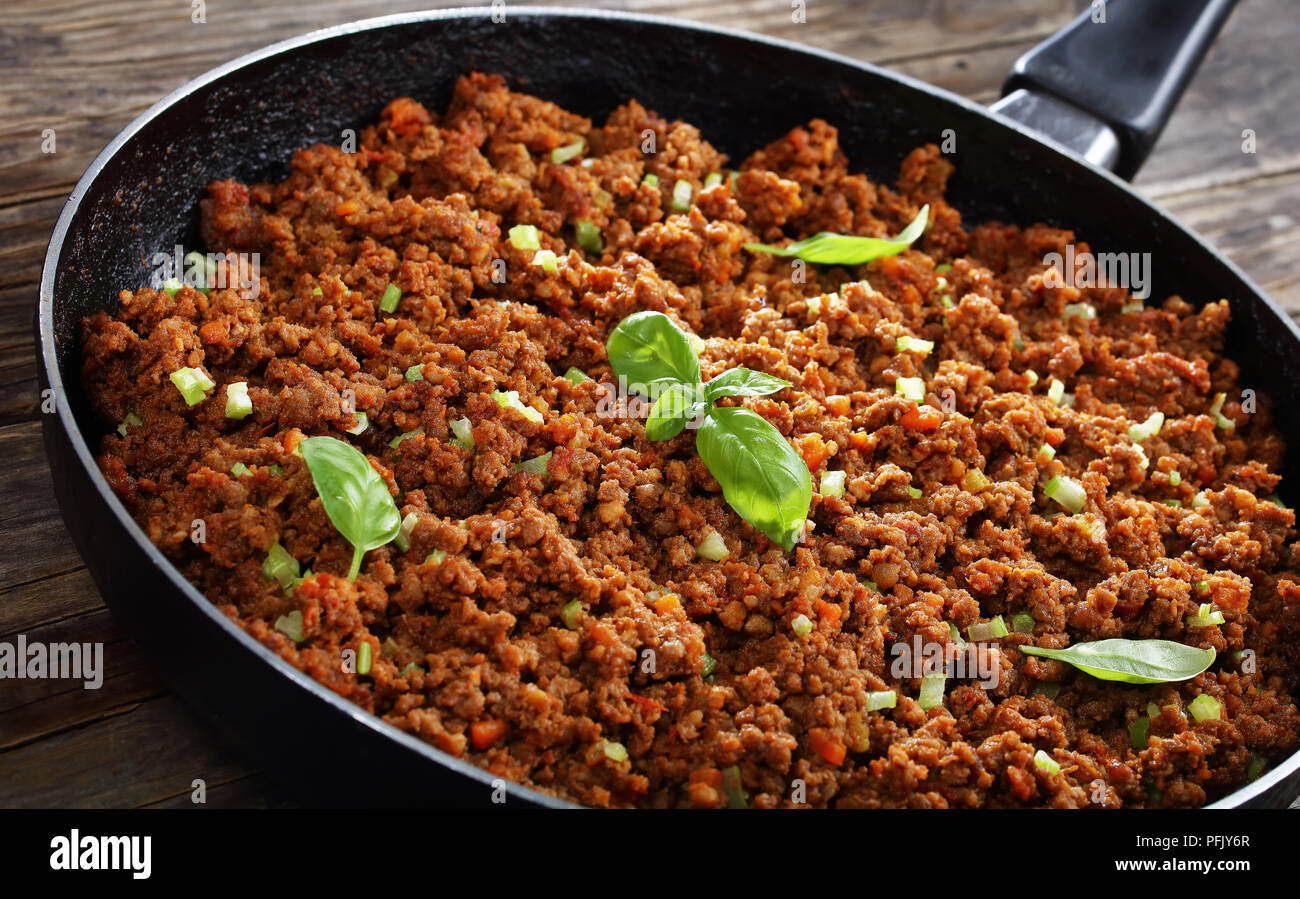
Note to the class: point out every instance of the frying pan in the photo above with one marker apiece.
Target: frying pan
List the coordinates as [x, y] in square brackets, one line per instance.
[245, 119]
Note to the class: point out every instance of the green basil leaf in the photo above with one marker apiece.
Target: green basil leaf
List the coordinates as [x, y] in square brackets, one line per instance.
[355, 497]
[742, 382]
[762, 477]
[849, 249]
[1132, 661]
[675, 406]
[648, 350]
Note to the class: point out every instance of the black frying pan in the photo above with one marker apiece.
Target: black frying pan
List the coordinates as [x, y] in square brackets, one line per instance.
[245, 119]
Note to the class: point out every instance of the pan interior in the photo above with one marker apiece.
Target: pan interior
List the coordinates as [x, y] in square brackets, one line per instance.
[742, 93]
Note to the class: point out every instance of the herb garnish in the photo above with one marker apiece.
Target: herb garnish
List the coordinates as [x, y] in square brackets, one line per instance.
[848, 249]
[355, 497]
[1132, 661]
[763, 478]
[650, 351]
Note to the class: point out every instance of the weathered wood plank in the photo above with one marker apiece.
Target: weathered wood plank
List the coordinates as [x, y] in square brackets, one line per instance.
[149, 753]
[1256, 225]
[19, 393]
[35, 708]
[24, 233]
[1247, 81]
[36, 542]
[958, 43]
[31, 605]
[252, 791]
[53, 46]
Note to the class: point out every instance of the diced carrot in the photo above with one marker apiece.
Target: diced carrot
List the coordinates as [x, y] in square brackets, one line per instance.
[1021, 782]
[703, 795]
[921, 418]
[665, 604]
[211, 332]
[347, 207]
[603, 635]
[313, 587]
[406, 116]
[890, 265]
[814, 451]
[563, 429]
[710, 776]
[645, 702]
[536, 698]
[837, 404]
[827, 746]
[828, 611]
[486, 732]
[860, 440]
[292, 439]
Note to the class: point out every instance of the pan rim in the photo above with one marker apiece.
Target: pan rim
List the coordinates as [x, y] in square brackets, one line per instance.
[52, 376]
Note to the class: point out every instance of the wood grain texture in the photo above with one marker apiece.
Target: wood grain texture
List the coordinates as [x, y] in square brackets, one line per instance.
[85, 69]
[148, 753]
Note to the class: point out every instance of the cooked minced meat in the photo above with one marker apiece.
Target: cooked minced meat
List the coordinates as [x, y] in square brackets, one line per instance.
[561, 629]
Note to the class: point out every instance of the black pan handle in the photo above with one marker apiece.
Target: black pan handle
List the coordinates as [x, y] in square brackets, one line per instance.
[1126, 72]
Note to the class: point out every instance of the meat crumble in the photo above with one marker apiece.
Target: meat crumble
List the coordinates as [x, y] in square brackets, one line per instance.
[556, 624]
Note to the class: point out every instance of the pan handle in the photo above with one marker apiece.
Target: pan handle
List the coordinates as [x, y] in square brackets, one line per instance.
[1106, 85]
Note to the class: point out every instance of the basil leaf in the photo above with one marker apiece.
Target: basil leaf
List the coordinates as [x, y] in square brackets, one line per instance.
[355, 497]
[742, 382]
[848, 249]
[1132, 661]
[671, 411]
[762, 477]
[648, 350]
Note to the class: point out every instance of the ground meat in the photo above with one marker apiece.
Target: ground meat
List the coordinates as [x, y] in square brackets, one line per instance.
[561, 629]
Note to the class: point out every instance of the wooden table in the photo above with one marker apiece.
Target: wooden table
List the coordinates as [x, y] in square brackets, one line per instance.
[85, 69]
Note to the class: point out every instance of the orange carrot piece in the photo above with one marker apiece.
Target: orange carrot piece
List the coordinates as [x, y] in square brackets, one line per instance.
[486, 732]
[921, 418]
[827, 746]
